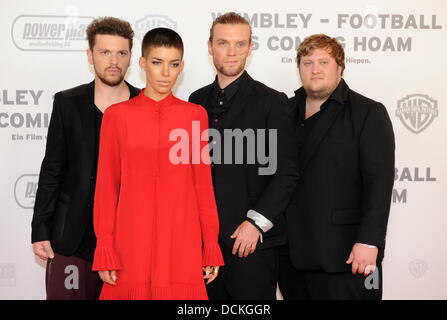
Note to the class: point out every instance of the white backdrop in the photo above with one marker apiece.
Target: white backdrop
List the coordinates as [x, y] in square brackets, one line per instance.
[395, 54]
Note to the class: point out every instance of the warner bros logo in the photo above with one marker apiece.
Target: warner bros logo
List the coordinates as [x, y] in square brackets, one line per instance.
[418, 268]
[417, 111]
[152, 21]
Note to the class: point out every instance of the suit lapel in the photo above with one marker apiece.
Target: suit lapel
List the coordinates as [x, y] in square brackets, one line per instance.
[86, 103]
[205, 100]
[318, 132]
[86, 109]
[132, 90]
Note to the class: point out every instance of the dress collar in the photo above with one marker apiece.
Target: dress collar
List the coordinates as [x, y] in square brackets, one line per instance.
[165, 101]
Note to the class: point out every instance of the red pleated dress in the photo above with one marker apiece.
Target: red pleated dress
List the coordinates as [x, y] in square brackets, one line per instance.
[155, 219]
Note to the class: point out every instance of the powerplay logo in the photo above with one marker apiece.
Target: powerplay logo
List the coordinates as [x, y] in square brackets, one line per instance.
[25, 190]
[50, 33]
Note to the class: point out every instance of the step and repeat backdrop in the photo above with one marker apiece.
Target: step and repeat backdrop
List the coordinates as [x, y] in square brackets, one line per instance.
[395, 54]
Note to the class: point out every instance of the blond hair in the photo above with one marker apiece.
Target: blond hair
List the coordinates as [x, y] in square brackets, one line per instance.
[229, 18]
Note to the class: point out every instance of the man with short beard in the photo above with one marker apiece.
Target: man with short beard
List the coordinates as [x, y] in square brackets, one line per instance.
[337, 218]
[250, 204]
[62, 225]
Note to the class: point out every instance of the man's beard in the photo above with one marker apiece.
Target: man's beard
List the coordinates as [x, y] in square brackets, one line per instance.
[229, 73]
[111, 83]
[320, 94]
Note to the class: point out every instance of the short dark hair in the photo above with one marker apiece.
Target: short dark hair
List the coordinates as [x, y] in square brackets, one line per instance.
[110, 26]
[161, 37]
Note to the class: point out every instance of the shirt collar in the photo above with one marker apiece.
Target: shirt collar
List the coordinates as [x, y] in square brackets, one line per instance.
[339, 95]
[231, 89]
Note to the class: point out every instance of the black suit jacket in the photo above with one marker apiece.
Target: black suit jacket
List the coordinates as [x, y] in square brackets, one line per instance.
[346, 180]
[64, 199]
[239, 187]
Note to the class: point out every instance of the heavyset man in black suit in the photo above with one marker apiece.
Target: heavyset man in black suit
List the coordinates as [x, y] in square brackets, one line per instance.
[337, 218]
[250, 204]
[62, 219]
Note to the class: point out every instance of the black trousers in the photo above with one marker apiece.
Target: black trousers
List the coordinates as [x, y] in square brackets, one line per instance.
[251, 278]
[320, 285]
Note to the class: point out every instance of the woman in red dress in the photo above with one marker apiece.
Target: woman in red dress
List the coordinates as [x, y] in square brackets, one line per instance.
[155, 221]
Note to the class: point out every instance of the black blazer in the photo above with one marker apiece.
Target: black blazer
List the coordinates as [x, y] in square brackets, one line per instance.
[64, 198]
[346, 180]
[239, 187]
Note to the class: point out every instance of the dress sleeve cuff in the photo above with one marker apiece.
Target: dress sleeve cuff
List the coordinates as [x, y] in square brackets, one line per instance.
[105, 259]
[212, 256]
